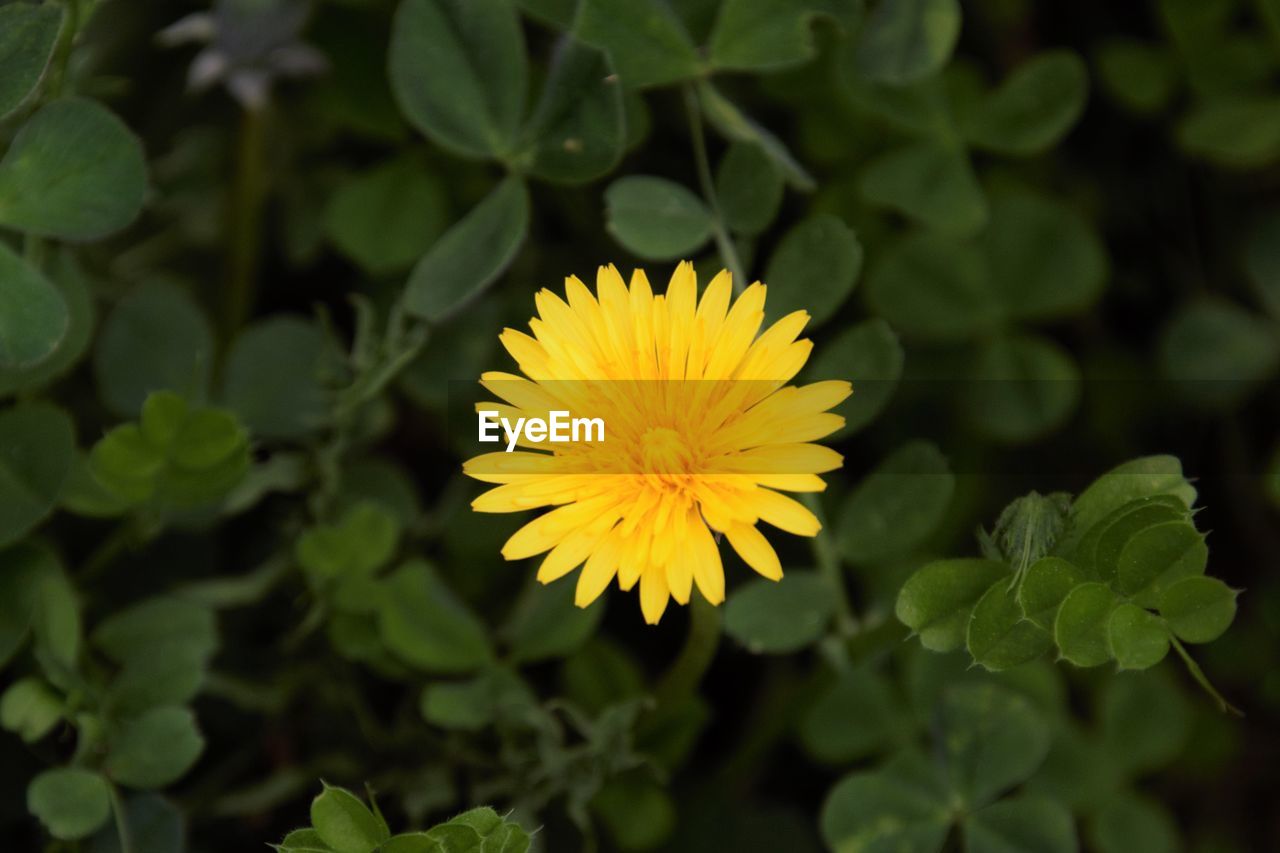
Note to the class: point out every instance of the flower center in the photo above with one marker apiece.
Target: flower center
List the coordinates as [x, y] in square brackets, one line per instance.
[665, 451]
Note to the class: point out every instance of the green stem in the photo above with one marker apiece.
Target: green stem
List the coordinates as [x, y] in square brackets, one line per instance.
[829, 567]
[724, 243]
[682, 679]
[1198, 674]
[62, 51]
[108, 551]
[122, 820]
[244, 223]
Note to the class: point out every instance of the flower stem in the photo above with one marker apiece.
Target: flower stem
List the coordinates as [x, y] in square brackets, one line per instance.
[828, 560]
[1198, 674]
[122, 820]
[244, 219]
[724, 243]
[682, 679]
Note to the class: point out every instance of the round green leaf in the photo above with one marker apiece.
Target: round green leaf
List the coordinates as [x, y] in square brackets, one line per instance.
[386, 218]
[70, 802]
[273, 377]
[1046, 583]
[645, 39]
[869, 356]
[930, 181]
[1020, 825]
[156, 338]
[57, 620]
[779, 617]
[749, 188]
[1240, 132]
[1033, 108]
[459, 72]
[30, 709]
[998, 637]
[424, 623]
[1139, 639]
[37, 446]
[936, 601]
[906, 40]
[1218, 353]
[471, 255]
[69, 281]
[897, 506]
[26, 566]
[173, 624]
[1140, 77]
[472, 705]
[899, 808]
[814, 268]
[577, 128]
[749, 35]
[27, 35]
[33, 314]
[638, 812]
[345, 824]
[1157, 557]
[827, 730]
[656, 219]
[1199, 609]
[992, 739]
[1046, 260]
[547, 623]
[933, 287]
[74, 171]
[1022, 387]
[1138, 478]
[1099, 552]
[1080, 628]
[155, 749]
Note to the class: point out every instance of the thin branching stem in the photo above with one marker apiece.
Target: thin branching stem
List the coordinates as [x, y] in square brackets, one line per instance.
[724, 243]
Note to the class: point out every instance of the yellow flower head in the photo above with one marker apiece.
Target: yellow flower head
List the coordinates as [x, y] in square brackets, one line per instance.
[700, 435]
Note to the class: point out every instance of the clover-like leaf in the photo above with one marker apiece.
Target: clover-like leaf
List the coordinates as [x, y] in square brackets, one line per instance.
[897, 506]
[1198, 609]
[779, 617]
[655, 218]
[814, 268]
[645, 39]
[1139, 639]
[936, 602]
[998, 636]
[1080, 628]
[1033, 108]
[27, 35]
[71, 802]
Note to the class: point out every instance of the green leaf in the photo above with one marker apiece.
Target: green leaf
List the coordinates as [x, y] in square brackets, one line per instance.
[767, 35]
[37, 445]
[155, 826]
[860, 694]
[346, 824]
[656, 219]
[547, 624]
[638, 813]
[156, 338]
[814, 268]
[1047, 582]
[154, 749]
[1131, 823]
[1241, 132]
[1140, 77]
[1046, 260]
[27, 36]
[937, 601]
[737, 126]
[1020, 825]
[385, 218]
[934, 287]
[781, 617]
[498, 835]
[74, 171]
[992, 738]
[905, 40]
[471, 254]
[459, 72]
[1139, 639]
[493, 695]
[900, 808]
[362, 542]
[898, 505]
[424, 623]
[309, 841]
[998, 637]
[70, 802]
[646, 41]
[1023, 386]
[164, 622]
[1033, 108]
[749, 188]
[70, 283]
[1080, 629]
[1218, 353]
[1147, 476]
[930, 181]
[1099, 553]
[577, 129]
[26, 566]
[1199, 609]
[868, 355]
[1156, 557]
[163, 676]
[30, 709]
[274, 377]
[33, 314]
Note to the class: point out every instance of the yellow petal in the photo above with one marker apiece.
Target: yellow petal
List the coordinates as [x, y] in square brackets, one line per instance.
[755, 550]
[786, 514]
[653, 595]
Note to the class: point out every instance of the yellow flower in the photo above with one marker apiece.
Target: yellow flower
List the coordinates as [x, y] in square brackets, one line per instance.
[701, 438]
